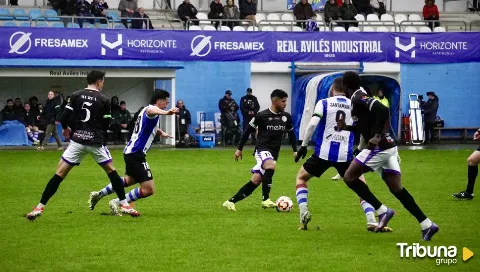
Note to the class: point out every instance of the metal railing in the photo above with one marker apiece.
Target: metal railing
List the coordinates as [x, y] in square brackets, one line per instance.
[474, 22]
[426, 22]
[70, 19]
[361, 24]
[188, 23]
[16, 17]
[120, 20]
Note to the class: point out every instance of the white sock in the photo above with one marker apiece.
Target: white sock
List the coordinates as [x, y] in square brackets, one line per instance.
[124, 202]
[303, 208]
[425, 224]
[382, 210]
[40, 206]
[369, 211]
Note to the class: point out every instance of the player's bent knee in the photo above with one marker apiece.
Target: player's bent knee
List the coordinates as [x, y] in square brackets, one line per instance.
[108, 167]
[63, 169]
[269, 164]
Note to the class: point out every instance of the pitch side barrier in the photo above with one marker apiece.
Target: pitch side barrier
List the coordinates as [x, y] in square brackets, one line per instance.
[251, 46]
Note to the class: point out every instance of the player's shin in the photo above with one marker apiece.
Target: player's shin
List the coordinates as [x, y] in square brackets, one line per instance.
[109, 188]
[302, 196]
[362, 190]
[472, 176]
[117, 185]
[267, 183]
[244, 192]
[136, 194]
[409, 203]
[369, 211]
[50, 190]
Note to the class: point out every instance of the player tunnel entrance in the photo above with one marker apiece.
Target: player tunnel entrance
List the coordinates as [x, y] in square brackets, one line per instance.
[309, 89]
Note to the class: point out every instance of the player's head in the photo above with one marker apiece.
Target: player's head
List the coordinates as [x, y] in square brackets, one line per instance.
[51, 95]
[95, 79]
[279, 99]
[337, 88]
[160, 98]
[350, 82]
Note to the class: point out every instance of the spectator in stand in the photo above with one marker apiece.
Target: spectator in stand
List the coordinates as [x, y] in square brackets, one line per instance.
[18, 107]
[430, 12]
[8, 113]
[143, 21]
[50, 114]
[303, 11]
[184, 120]
[339, 3]
[363, 7]
[331, 11]
[248, 11]
[120, 120]
[29, 121]
[127, 8]
[98, 10]
[83, 10]
[230, 11]
[216, 12]
[249, 106]
[378, 6]
[348, 12]
[186, 11]
[229, 118]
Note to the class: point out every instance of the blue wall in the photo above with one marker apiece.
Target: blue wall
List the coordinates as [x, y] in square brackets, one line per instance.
[456, 85]
[201, 84]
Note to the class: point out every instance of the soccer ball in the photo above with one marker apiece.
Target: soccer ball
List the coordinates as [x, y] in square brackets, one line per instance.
[284, 204]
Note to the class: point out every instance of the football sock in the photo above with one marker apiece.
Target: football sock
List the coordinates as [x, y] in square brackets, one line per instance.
[425, 224]
[302, 197]
[134, 194]
[30, 134]
[50, 189]
[108, 189]
[362, 190]
[35, 135]
[472, 176]
[369, 211]
[117, 185]
[409, 203]
[244, 192]
[267, 183]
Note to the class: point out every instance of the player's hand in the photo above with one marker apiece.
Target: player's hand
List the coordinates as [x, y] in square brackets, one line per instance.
[301, 153]
[238, 154]
[372, 143]
[476, 136]
[341, 125]
[66, 133]
[172, 111]
[165, 135]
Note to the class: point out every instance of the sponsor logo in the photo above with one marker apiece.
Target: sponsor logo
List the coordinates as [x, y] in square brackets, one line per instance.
[111, 45]
[202, 45]
[284, 119]
[337, 138]
[405, 48]
[207, 139]
[276, 128]
[22, 42]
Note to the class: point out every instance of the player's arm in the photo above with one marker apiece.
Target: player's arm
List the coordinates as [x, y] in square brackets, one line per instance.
[380, 113]
[67, 112]
[248, 130]
[154, 111]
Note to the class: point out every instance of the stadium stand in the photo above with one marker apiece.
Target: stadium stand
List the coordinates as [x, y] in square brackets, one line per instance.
[11, 16]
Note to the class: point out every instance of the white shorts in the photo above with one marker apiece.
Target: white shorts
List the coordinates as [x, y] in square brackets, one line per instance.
[75, 153]
[261, 157]
[380, 160]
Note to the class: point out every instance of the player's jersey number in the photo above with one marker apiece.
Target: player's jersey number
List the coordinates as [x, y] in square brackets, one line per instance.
[339, 116]
[87, 111]
[264, 155]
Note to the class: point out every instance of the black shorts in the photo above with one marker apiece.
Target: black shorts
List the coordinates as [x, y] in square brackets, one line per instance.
[136, 166]
[316, 166]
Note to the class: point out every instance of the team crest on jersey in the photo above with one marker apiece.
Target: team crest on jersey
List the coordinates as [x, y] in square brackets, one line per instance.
[284, 119]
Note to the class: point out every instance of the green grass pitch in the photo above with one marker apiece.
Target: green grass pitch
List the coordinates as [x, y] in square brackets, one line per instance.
[183, 226]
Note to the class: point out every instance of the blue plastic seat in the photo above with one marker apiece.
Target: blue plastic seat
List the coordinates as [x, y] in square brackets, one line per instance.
[20, 14]
[119, 26]
[9, 24]
[51, 15]
[102, 26]
[41, 24]
[57, 25]
[5, 14]
[113, 15]
[88, 25]
[74, 25]
[35, 13]
[24, 24]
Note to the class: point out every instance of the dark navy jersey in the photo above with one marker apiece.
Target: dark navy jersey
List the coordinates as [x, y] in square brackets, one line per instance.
[271, 130]
[89, 110]
[364, 109]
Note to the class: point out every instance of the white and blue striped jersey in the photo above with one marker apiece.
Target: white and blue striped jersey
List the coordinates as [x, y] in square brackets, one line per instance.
[143, 134]
[332, 145]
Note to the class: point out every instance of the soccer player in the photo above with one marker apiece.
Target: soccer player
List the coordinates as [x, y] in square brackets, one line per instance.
[473, 162]
[134, 154]
[333, 149]
[373, 123]
[91, 112]
[271, 125]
